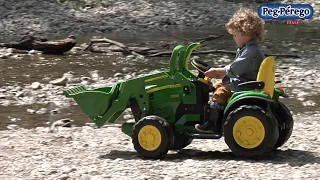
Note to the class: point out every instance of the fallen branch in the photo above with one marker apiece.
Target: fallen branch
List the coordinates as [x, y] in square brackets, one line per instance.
[168, 53]
[181, 38]
[209, 38]
[150, 52]
[283, 55]
[201, 40]
[119, 44]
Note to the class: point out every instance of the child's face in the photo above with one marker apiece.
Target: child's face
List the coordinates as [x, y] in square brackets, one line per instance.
[240, 39]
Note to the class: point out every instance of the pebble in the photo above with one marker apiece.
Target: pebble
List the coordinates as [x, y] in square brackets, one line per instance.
[293, 50]
[127, 117]
[309, 103]
[60, 81]
[20, 94]
[15, 119]
[35, 85]
[42, 111]
[13, 127]
[117, 75]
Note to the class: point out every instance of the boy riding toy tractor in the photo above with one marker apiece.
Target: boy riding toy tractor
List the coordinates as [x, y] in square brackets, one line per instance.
[167, 106]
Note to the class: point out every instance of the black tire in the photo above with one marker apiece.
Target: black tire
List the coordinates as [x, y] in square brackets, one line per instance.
[181, 141]
[270, 127]
[285, 120]
[162, 127]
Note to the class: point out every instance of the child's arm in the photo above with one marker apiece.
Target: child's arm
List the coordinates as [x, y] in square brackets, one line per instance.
[241, 65]
[215, 73]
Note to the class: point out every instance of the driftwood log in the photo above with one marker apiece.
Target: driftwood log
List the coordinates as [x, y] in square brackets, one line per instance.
[39, 43]
[153, 52]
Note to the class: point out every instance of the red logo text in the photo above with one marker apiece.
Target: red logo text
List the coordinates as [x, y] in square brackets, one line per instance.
[293, 22]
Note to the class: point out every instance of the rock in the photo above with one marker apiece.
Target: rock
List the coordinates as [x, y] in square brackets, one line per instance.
[67, 170]
[64, 177]
[60, 82]
[91, 125]
[13, 127]
[15, 119]
[117, 75]
[2, 56]
[68, 75]
[85, 78]
[85, 83]
[293, 50]
[35, 85]
[55, 111]
[62, 122]
[167, 178]
[144, 177]
[128, 76]
[31, 111]
[309, 103]
[32, 52]
[93, 171]
[2, 96]
[126, 69]
[42, 111]
[94, 75]
[20, 94]
[127, 117]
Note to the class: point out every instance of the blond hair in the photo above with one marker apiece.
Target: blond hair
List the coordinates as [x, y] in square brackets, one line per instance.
[248, 23]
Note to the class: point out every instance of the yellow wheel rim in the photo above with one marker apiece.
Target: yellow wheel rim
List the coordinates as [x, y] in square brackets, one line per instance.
[248, 132]
[149, 138]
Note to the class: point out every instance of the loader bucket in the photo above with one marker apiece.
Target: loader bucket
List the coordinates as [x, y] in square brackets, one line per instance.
[93, 102]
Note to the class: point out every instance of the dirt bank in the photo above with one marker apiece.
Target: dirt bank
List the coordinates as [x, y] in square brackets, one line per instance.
[100, 17]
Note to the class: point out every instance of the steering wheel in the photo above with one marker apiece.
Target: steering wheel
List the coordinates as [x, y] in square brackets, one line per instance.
[202, 68]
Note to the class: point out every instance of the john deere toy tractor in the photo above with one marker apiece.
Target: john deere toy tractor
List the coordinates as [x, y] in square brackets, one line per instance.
[167, 105]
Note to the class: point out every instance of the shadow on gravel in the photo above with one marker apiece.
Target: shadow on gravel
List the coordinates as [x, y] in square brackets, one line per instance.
[290, 157]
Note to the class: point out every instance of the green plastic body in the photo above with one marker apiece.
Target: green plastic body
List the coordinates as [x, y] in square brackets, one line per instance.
[169, 94]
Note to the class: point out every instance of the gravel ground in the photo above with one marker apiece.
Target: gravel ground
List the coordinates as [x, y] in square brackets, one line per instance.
[95, 17]
[90, 153]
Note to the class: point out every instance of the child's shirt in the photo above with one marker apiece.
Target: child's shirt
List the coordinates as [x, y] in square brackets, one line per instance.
[245, 67]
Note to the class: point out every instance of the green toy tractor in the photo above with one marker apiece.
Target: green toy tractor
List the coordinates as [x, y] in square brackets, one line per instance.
[167, 105]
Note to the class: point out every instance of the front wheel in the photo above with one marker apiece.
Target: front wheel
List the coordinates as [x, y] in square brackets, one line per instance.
[250, 132]
[152, 137]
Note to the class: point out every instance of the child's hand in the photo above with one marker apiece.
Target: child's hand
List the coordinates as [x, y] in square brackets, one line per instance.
[215, 73]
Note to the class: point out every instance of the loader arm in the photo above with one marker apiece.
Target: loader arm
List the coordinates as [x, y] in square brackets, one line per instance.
[107, 104]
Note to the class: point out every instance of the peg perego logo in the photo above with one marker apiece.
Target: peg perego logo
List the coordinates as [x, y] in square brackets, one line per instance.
[285, 11]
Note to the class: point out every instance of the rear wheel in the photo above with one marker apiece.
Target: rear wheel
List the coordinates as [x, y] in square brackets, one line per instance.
[152, 137]
[250, 132]
[284, 117]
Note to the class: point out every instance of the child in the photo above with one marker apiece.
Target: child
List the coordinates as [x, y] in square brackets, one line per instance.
[247, 29]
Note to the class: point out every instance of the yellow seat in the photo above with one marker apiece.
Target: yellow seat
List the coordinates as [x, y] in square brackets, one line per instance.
[267, 75]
